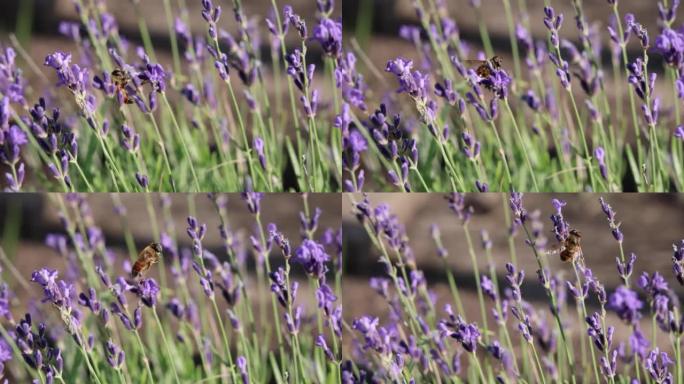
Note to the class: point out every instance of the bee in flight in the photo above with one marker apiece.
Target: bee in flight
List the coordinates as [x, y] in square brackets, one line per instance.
[148, 256]
[121, 79]
[484, 67]
[570, 249]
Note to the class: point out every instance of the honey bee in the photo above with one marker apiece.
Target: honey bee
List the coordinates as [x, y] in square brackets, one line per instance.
[148, 256]
[121, 79]
[485, 67]
[570, 249]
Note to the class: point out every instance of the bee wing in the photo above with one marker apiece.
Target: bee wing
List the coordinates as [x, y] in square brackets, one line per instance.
[474, 63]
[554, 249]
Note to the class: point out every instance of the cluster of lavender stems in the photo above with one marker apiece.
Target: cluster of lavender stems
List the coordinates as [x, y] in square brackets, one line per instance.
[217, 119]
[560, 130]
[586, 332]
[198, 318]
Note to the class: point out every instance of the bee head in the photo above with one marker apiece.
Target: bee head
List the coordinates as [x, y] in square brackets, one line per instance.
[576, 233]
[157, 247]
[497, 61]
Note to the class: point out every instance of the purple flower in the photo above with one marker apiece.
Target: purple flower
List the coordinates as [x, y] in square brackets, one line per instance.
[326, 299]
[154, 74]
[471, 147]
[241, 363]
[466, 334]
[670, 44]
[35, 348]
[498, 82]
[638, 343]
[90, 300]
[148, 291]
[320, 342]
[354, 145]
[600, 154]
[488, 287]
[60, 294]
[312, 256]
[325, 6]
[447, 92]
[560, 227]
[143, 180]
[294, 20]
[281, 241]
[656, 365]
[253, 201]
[679, 132]
[610, 214]
[279, 287]
[531, 100]
[593, 112]
[328, 33]
[678, 261]
[130, 139]
[414, 83]
[11, 81]
[436, 236]
[175, 306]
[626, 304]
[602, 340]
[654, 285]
[191, 94]
[519, 212]
[553, 24]
[259, 148]
[11, 141]
[115, 356]
[294, 322]
[609, 367]
[350, 81]
[301, 76]
[75, 78]
[625, 269]
[458, 206]
[641, 85]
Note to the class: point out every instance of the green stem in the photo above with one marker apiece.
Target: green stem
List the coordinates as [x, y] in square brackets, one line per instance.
[162, 146]
[522, 146]
[184, 144]
[172, 359]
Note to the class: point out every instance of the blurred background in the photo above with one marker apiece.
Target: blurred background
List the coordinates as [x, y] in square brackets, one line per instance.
[27, 219]
[651, 224]
[36, 22]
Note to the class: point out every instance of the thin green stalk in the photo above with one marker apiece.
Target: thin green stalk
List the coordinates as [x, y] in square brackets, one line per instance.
[274, 305]
[172, 36]
[184, 144]
[162, 146]
[585, 314]
[587, 154]
[476, 270]
[146, 359]
[502, 152]
[513, 39]
[454, 290]
[479, 367]
[522, 145]
[86, 357]
[172, 359]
